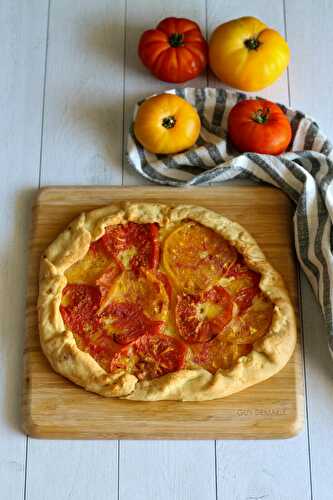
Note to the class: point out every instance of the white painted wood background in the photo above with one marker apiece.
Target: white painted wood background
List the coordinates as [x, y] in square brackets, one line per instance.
[69, 78]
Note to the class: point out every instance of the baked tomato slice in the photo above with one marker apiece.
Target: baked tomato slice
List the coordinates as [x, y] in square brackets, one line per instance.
[167, 285]
[145, 290]
[218, 354]
[99, 345]
[133, 245]
[89, 269]
[252, 324]
[106, 280]
[201, 317]
[196, 257]
[126, 321]
[151, 356]
[242, 283]
[79, 307]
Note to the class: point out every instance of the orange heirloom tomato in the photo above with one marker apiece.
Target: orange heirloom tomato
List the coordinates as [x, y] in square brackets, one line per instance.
[175, 51]
[259, 126]
[246, 54]
[166, 124]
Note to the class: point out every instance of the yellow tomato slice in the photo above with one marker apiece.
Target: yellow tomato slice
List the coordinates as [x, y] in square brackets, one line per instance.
[90, 268]
[144, 290]
[196, 257]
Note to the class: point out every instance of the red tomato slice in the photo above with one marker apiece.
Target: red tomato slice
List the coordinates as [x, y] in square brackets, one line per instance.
[107, 278]
[244, 285]
[151, 356]
[79, 306]
[100, 346]
[165, 280]
[126, 322]
[252, 325]
[133, 245]
[218, 354]
[201, 317]
[196, 257]
[79, 309]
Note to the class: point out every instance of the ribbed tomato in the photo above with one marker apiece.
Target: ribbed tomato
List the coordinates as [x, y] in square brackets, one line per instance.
[166, 124]
[246, 54]
[175, 51]
[259, 126]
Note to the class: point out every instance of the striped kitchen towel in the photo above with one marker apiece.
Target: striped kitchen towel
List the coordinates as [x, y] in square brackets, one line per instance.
[304, 173]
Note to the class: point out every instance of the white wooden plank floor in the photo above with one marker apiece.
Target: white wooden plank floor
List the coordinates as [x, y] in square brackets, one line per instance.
[68, 82]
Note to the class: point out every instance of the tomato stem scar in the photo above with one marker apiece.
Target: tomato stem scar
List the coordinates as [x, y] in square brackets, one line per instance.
[169, 122]
[261, 116]
[252, 43]
[176, 40]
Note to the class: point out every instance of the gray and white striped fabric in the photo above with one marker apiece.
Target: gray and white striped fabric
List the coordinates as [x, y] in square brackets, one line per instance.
[304, 173]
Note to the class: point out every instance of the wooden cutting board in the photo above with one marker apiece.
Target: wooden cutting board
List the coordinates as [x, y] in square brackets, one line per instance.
[53, 407]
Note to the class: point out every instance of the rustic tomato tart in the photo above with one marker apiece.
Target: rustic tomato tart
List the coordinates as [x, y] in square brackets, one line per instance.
[150, 302]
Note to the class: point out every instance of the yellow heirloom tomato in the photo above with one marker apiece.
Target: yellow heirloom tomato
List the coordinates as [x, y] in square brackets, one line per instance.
[246, 54]
[166, 124]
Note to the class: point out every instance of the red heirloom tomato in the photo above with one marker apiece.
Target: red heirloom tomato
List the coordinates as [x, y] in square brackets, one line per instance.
[259, 126]
[175, 51]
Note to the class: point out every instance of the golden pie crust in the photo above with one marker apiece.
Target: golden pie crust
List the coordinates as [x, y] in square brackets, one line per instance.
[269, 354]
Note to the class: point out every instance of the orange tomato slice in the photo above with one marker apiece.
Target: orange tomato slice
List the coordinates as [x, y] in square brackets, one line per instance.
[252, 325]
[151, 356]
[196, 257]
[218, 354]
[242, 284]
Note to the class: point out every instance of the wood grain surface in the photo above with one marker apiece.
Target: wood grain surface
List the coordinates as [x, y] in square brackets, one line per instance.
[54, 407]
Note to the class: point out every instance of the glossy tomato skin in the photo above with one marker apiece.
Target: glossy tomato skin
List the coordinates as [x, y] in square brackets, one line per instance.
[175, 51]
[245, 54]
[259, 126]
[166, 124]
